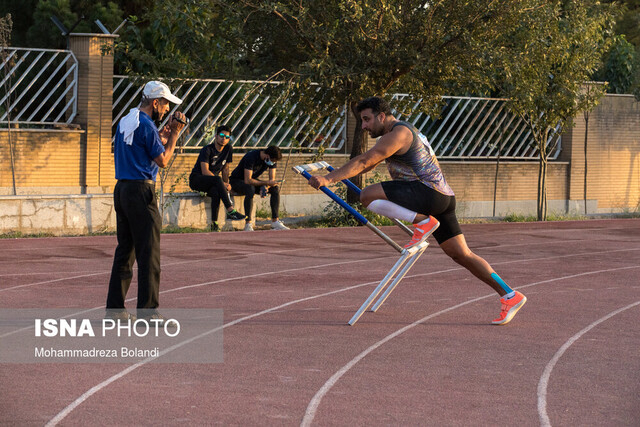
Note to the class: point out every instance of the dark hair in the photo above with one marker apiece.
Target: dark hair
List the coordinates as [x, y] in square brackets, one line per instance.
[377, 105]
[223, 128]
[144, 101]
[274, 152]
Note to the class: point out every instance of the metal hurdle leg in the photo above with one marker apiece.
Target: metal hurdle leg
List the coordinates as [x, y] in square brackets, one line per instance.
[379, 288]
[404, 263]
[412, 260]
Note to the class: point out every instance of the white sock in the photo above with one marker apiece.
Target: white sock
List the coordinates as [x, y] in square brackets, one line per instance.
[391, 210]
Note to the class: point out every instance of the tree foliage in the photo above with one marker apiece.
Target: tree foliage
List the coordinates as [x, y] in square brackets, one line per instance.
[546, 63]
[338, 52]
[176, 39]
[33, 26]
[621, 68]
[621, 65]
[359, 48]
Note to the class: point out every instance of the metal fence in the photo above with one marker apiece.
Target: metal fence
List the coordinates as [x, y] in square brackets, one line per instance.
[257, 115]
[38, 87]
[474, 128]
[465, 128]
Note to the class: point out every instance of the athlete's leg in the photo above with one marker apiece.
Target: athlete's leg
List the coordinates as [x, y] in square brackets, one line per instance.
[456, 247]
[371, 193]
[382, 206]
[511, 301]
[376, 199]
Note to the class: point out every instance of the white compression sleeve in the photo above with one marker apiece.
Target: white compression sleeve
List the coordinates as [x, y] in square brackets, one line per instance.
[391, 210]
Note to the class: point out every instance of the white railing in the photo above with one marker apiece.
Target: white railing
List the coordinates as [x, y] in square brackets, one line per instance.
[255, 112]
[474, 128]
[465, 128]
[39, 86]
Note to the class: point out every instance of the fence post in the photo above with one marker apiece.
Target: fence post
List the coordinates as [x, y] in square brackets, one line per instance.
[94, 53]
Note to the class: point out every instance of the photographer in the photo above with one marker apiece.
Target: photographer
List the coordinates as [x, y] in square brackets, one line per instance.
[139, 150]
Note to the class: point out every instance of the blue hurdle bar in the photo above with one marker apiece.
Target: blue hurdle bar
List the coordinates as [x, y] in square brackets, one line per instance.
[357, 190]
[352, 211]
[399, 270]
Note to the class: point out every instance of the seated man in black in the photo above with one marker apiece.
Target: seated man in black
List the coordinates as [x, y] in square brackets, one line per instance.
[213, 161]
[244, 180]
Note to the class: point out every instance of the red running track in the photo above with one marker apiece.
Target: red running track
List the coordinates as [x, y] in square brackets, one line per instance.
[429, 356]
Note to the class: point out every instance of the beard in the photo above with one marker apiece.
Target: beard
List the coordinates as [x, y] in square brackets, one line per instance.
[156, 117]
[376, 133]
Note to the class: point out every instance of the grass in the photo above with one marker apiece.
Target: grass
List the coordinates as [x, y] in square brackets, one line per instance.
[550, 217]
[335, 216]
[21, 235]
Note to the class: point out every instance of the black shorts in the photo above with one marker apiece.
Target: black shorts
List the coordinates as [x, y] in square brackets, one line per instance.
[417, 197]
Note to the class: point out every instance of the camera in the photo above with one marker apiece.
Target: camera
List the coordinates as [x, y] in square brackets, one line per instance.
[177, 119]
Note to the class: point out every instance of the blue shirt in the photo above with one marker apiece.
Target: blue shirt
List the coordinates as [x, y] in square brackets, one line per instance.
[135, 161]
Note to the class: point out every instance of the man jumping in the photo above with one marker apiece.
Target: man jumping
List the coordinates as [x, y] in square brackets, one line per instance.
[418, 194]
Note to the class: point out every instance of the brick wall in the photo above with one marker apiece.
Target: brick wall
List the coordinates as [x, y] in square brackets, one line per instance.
[44, 159]
[80, 161]
[95, 92]
[613, 149]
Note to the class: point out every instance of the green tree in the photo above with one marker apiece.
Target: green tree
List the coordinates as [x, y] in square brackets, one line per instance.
[548, 60]
[21, 17]
[628, 22]
[621, 67]
[357, 48]
[176, 39]
[33, 26]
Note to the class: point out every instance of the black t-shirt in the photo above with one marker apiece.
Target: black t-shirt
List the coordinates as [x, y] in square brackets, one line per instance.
[252, 161]
[214, 158]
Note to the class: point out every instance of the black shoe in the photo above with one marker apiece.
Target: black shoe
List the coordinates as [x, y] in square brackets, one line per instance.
[235, 215]
[215, 226]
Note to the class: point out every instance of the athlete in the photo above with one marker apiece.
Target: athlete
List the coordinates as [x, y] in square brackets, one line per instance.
[418, 193]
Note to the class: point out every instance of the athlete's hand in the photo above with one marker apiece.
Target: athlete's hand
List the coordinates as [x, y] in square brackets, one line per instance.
[318, 181]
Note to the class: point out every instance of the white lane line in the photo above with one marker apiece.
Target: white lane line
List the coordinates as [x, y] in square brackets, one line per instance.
[228, 279]
[326, 247]
[543, 384]
[52, 281]
[170, 264]
[93, 390]
[312, 407]
[67, 410]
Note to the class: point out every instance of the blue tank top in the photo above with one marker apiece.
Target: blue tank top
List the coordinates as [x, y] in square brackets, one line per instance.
[419, 163]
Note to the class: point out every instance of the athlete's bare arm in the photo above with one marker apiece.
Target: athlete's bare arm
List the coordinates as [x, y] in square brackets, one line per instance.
[397, 141]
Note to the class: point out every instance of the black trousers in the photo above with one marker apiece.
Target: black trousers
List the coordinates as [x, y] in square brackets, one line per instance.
[248, 190]
[138, 232]
[214, 187]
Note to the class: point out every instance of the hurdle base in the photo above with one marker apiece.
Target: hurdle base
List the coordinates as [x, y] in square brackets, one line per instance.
[408, 257]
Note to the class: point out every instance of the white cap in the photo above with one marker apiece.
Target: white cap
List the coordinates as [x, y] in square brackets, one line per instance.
[156, 89]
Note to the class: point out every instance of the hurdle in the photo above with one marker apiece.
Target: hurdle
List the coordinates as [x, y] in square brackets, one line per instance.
[408, 257]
